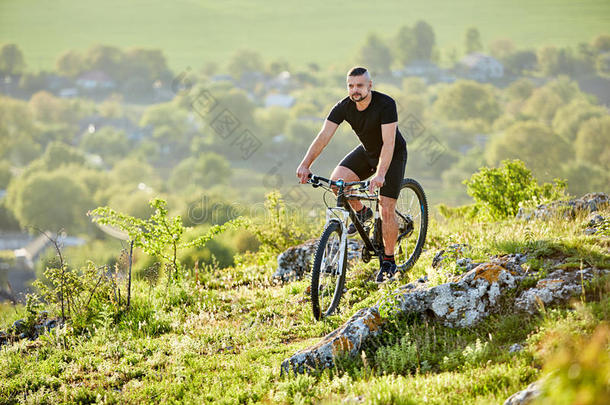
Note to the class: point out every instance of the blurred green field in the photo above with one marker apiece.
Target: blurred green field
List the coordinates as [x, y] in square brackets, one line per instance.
[193, 32]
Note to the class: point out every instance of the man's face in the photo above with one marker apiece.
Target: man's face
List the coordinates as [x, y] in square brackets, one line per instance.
[358, 87]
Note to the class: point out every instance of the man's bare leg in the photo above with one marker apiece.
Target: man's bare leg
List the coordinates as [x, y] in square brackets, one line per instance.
[389, 226]
[342, 172]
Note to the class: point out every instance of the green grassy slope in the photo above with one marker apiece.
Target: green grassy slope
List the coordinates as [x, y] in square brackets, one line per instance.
[222, 339]
[193, 32]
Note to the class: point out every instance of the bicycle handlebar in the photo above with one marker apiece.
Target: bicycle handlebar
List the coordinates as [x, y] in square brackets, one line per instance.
[315, 182]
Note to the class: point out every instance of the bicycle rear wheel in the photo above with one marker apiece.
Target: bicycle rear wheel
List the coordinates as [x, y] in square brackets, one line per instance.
[412, 218]
[328, 273]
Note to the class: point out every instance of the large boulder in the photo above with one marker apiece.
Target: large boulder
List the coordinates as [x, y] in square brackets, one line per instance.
[295, 261]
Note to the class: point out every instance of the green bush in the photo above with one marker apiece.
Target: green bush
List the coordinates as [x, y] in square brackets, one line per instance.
[501, 191]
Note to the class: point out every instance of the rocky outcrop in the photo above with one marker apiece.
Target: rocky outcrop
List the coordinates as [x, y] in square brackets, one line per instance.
[526, 396]
[347, 339]
[460, 303]
[557, 288]
[294, 262]
[591, 202]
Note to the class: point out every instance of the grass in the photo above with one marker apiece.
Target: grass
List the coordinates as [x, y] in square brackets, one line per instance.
[222, 339]
[194, 32]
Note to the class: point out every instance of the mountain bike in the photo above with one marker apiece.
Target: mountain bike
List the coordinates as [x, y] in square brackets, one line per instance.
[330, 261]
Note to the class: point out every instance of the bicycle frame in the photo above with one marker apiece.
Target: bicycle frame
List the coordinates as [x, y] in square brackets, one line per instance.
[345, 210]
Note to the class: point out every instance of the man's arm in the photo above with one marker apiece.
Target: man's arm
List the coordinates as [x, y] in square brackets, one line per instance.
[388, 134]
[326, 133]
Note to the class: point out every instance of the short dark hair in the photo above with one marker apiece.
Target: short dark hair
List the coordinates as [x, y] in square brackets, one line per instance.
[357, 71]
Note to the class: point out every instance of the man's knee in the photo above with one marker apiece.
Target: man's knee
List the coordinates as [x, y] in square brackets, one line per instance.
[345, 173]
[388, 207]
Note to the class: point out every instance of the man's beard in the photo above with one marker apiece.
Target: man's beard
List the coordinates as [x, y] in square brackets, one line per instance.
[357, 97]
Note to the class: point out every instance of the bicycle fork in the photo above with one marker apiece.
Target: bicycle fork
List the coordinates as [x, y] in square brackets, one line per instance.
[340, 215]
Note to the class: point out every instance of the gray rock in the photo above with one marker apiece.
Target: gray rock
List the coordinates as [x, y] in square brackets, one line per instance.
[50, 324]
[19, 326]
[595, 220]
[294, 262]
[347, 339]
[567, 209]
[515, 348]
[557, 288]
[525, 396]
[462, 303]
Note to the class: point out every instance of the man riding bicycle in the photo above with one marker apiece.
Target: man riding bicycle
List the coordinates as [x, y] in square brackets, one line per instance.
[381, 154]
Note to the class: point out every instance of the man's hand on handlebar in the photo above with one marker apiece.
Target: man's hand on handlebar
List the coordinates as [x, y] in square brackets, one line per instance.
[375, 183]
[303, 173]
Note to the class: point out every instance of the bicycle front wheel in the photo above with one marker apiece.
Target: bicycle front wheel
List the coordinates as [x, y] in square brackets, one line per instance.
[412, 218]
[328, 273]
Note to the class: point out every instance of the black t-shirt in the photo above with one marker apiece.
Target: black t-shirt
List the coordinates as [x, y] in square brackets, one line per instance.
[367, 123]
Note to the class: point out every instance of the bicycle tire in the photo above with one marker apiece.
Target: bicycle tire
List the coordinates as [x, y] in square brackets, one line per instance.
[320, 308]
[407, 251]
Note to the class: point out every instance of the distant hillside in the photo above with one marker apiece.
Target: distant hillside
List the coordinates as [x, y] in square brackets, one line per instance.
[195, 32]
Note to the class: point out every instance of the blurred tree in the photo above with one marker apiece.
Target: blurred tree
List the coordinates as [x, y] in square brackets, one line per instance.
[277, 66]
[108, 59]
[542, 104]
[473, 40]
[108, 142]
[205, 170]
[52, 201]
[112, 107]
[172, 130]
[569, 118]
[405, 45]
[425, 40]
[593, 141]
[17, 128]
[414, 85]
[47, 108]
[548, 60]
[501, 48]
[138, 89]
[70, 64]
[245, 61]
[58, 154]
[585, 177]
[520, 62]
[5, 174]
[132, 202]
[602, 64]
[535, 144]
[11, 60]
[467, 99]
[31, 83]
[375, 55]
[271, 121]
[131, 172]
[148, 64]
[520, 90]
[601, 43]
[411, 105]
[553, 61]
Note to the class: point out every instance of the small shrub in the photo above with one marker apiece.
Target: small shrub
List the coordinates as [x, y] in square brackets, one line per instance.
[501, 191]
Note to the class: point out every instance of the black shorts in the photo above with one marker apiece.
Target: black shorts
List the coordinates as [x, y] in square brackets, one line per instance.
[365, 166]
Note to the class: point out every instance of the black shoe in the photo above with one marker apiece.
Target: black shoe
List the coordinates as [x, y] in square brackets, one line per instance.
[386, 272]
[363, 215]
